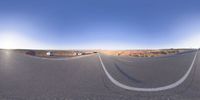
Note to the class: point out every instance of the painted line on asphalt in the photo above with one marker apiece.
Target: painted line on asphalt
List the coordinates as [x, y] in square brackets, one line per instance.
[173, 85]
[124, 60]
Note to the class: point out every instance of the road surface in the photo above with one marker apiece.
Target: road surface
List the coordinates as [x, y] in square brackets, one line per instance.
[100, 77]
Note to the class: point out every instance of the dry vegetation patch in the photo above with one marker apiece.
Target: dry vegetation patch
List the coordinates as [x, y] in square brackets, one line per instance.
[143, 53]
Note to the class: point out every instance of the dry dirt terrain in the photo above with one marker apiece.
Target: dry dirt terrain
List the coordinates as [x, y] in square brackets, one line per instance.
[56, 53]
[144, 53]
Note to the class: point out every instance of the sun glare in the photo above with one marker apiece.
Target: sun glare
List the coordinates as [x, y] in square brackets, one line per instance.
[8, 43]
[11, 41]
[15, 40]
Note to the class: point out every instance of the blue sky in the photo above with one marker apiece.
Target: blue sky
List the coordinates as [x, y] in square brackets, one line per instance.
[99, 24]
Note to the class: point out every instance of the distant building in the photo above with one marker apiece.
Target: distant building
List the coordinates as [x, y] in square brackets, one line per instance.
[49, 53]
[77, 53]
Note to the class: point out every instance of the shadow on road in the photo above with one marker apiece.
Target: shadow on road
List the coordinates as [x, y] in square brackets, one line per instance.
[128, 76]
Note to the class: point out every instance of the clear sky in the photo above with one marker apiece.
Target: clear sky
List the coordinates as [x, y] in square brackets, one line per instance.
[99, 24]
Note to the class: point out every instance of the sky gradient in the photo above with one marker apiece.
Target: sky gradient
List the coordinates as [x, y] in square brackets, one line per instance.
[99, 24]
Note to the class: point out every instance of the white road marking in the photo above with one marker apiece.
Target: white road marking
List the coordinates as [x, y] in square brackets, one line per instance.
[173, 85]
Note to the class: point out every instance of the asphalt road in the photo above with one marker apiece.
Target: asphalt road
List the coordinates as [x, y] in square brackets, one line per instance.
[99, 77]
